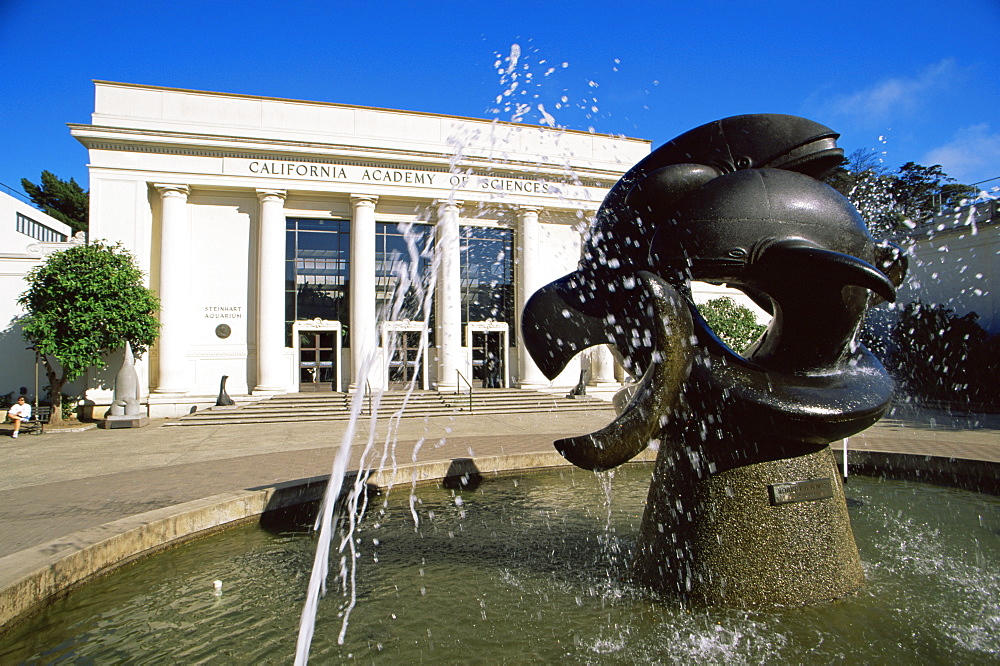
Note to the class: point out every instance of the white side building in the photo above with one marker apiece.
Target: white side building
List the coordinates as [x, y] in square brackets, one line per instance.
[955, 262]
[27, 237]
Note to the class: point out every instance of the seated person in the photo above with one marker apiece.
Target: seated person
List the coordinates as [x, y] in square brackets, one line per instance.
[19, 411]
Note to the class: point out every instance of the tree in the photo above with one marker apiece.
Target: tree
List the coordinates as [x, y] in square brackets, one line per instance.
[866, 183]
[895, 201]
[859, 164]
[81, 304]
[923, 191]
[734, 324]
[65, 201]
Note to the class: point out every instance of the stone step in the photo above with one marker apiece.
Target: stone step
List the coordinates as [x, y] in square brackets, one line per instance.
[336, 406]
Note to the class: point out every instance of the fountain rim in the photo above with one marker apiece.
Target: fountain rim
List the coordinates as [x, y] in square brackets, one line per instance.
[34, 578]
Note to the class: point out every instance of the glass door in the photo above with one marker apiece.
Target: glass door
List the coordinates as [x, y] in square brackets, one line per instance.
[488, 358]
[317, 360]
[404, 364]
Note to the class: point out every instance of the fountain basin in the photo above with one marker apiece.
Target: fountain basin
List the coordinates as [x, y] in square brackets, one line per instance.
[32, 578]
[538, 567]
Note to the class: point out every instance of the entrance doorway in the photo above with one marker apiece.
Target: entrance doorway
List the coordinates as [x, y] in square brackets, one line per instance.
[487, 343]
[318, 350]
[316, 363]
[404, 363]
[402, 342]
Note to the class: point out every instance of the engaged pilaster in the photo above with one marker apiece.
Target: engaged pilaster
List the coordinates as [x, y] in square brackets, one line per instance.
[174, 288]
[449, 295]
[363, 331]
[271, 368]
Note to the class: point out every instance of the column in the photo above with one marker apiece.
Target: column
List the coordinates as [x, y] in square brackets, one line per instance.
[272, 371]
[448, 292]
[363, 331]
[527, 284]
[602, 367]
[174, 288]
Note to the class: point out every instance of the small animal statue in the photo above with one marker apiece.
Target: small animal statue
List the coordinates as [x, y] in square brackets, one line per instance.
[224, 400]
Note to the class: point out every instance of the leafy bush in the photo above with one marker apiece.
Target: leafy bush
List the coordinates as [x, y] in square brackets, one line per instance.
[734, 324]
[937, 355]
[82, 303]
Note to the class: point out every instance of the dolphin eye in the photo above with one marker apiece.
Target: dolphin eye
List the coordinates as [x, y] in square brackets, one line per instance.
[743, 163]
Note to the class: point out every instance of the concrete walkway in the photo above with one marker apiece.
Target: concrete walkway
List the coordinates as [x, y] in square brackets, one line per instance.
[59, 483]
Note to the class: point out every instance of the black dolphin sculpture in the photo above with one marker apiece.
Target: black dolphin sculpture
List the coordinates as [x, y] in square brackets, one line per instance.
[617, 244]
[793, 244]
[744, 507]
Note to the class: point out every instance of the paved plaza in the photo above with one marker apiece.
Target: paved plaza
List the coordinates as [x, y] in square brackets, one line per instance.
[55, 484]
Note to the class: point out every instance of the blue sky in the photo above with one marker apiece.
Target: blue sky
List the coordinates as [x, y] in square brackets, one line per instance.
[913, 81]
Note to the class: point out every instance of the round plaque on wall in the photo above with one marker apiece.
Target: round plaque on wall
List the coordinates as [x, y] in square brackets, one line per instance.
[223, 331]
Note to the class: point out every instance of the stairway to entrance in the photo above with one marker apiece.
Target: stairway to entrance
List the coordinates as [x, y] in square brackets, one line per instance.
[336, 406]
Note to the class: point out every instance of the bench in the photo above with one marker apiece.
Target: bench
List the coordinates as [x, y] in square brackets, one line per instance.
[39, 419]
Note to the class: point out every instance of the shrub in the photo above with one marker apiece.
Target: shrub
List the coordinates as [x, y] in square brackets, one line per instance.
[82, 303]
[937, 355]
[734, 324]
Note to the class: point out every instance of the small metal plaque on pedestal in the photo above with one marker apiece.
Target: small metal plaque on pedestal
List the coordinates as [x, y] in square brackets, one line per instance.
[800, 491]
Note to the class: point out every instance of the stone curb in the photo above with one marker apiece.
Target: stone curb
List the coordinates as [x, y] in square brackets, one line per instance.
[83, 427]
[32, 578]
[976, 475]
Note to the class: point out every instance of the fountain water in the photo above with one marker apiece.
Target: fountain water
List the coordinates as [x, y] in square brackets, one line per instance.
[410, 284]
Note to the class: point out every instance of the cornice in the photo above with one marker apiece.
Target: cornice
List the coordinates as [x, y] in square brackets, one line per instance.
[160, 142]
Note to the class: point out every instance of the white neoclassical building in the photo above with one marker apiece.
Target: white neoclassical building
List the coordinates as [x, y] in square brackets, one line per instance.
[289, 241]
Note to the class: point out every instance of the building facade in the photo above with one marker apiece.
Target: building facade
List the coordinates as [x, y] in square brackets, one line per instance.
[302, 246]
[955, 262]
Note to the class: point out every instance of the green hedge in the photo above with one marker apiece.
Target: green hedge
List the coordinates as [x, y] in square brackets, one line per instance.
[734, 324]
[936, 355]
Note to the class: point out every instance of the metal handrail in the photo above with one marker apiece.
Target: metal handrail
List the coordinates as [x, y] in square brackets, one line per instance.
[458, 387]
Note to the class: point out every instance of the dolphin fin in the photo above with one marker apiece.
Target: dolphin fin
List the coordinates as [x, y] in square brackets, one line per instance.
[658, 393]
[798, 258]
[555, 329]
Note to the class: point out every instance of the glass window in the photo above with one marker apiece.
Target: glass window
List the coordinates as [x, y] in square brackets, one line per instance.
[488, 275]
[38, 231]
[403, 254]
[317, 273]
